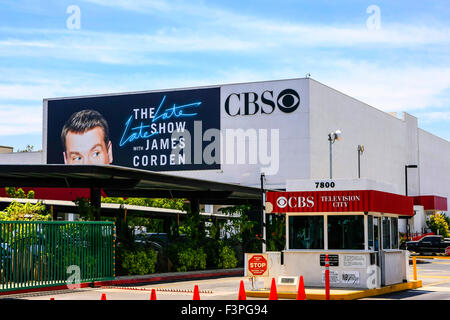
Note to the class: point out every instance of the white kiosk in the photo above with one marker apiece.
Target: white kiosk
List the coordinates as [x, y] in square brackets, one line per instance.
[358, 229]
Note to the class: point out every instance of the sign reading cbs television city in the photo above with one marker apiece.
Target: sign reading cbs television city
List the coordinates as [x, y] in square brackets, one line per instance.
[338, 201]
[158, 131]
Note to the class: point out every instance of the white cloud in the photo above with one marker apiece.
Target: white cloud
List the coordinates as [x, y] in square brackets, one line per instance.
[146, 6]
[17, 120]
[201, 28]
[118, 48]
[208, 29]
[394, 88]
[263, 31]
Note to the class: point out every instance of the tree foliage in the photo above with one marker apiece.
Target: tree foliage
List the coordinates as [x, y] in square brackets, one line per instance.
[19, 193]
[438, 224]
[25, 212]
[177, 204]
[86, 210]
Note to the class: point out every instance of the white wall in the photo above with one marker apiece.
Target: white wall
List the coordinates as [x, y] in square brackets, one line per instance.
[434, 166]
[294, 136]
[21, 158]
[389, 142]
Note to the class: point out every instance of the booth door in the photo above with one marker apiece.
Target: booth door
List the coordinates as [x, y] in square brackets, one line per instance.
[374, 232]
[374, 235]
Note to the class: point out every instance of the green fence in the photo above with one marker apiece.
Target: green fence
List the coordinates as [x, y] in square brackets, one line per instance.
[52, 253]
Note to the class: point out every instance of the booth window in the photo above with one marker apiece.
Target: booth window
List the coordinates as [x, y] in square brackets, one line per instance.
[370, 232]
[306, 232]
[386, 233]
[394, 233]
[346, 232]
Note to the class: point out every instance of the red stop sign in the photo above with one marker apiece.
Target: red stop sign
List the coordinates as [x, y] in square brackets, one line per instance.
[447, 251]
[257, 265]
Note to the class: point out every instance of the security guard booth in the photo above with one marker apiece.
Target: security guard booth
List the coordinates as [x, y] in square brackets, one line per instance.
[358, 229]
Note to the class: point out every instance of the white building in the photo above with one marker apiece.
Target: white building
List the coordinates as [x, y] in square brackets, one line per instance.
[281, 128]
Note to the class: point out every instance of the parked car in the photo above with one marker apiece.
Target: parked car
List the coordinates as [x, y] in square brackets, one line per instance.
[160, 238]
[429, 244]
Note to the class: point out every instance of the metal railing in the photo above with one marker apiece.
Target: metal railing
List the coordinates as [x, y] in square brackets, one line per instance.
[37, 254]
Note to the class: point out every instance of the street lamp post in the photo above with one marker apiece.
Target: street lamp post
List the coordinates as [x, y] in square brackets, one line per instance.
[263, 212]
[332, 137]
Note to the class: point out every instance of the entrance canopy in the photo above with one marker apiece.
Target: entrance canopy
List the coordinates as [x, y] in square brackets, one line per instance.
[118, 181]
[339, 201]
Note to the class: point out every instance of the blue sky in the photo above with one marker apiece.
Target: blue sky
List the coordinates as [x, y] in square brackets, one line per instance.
[129, 45]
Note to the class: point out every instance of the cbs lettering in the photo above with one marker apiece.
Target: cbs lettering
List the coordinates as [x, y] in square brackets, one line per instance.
[296, 202]
[250, 103]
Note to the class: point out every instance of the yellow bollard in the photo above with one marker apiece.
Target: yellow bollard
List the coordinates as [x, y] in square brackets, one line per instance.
[414, 268]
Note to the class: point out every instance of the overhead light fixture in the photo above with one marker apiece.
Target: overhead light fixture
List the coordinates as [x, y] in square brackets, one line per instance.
[360, 152]
[335, 136]
[332, 138]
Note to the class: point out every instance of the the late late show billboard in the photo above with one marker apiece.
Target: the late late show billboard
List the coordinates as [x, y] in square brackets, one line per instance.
[157, 131]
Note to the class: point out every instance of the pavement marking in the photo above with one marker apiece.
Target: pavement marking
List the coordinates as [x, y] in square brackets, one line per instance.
[434, 289]
[171, 290]
[438, 283]
[436, 277]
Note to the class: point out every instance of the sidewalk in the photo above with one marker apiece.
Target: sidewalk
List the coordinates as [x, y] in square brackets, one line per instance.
[139, 280]
[174, 276]
[340, 294]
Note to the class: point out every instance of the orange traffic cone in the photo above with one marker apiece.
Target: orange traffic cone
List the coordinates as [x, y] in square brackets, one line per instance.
[196, 293]
[301, 295]
[242, 291]
[153, 295]
[273, 291]
[103, 296]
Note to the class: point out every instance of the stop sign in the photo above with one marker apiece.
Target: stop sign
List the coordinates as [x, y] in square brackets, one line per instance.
[257, 265]
[447, 251]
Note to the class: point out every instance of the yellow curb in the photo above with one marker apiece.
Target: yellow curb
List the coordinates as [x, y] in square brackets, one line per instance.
[341, 294]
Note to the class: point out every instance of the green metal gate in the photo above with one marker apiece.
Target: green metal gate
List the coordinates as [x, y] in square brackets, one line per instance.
[37, 254]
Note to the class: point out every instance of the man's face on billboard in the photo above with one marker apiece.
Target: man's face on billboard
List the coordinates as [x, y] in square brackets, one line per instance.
[87, 148]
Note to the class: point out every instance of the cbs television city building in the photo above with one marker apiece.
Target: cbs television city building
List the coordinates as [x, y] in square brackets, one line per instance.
[349, 177]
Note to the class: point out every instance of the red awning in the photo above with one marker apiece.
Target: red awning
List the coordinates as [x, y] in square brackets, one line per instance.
[66, 194]
[339, 201]
[431, 202]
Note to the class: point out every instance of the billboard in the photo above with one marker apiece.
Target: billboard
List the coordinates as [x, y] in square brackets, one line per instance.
[157, 131]
[230, 133]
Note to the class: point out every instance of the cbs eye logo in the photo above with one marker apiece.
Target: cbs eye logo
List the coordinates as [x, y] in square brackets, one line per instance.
[288, 101]
[282, 202]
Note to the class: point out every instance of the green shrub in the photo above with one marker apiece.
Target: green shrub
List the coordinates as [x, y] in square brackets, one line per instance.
[211, 248]
[138, 262]
[191, 259]
[227, 258]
